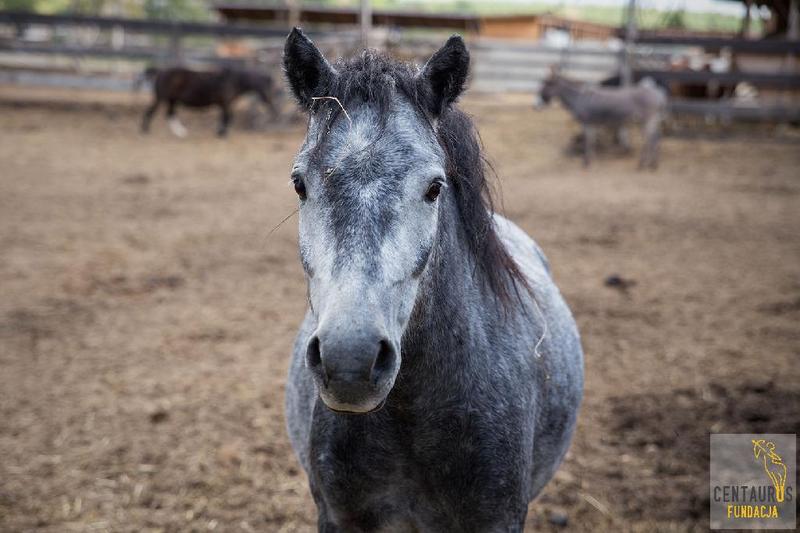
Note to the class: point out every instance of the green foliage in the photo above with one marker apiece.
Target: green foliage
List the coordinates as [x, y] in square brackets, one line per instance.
[200, 10]
[675, 19]
[18, 5]
[175, 10]
[153, 9]
[87, 7]
[602, 14]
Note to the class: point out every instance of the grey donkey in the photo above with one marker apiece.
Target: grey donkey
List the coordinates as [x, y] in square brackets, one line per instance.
[615, 107]
[437, 375]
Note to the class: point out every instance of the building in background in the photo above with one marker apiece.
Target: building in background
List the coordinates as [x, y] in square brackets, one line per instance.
[530, 27]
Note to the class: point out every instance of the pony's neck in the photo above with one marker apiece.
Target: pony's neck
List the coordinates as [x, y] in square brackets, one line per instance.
[451, 312]
[568, 92]
[460, 302]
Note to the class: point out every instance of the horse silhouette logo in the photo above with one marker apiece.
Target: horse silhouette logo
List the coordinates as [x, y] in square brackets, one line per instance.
[773, 466]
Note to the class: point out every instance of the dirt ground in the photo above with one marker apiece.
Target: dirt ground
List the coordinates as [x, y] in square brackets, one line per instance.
[146, 315]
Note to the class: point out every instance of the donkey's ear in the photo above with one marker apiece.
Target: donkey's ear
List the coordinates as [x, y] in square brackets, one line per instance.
[306, 69]
[442, 78]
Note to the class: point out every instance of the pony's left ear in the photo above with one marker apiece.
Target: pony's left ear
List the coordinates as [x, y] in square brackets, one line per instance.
[442, 78]
[306, 68]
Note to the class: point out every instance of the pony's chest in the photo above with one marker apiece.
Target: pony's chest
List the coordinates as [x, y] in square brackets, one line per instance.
[449, 462]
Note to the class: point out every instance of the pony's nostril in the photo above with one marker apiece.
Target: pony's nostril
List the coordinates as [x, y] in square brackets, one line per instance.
[313, 356]
[384, 361]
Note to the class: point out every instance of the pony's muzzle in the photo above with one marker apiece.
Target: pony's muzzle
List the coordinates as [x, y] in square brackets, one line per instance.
[354, 372]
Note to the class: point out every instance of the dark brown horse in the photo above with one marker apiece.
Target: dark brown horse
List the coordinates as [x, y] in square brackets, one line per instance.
[205, 89]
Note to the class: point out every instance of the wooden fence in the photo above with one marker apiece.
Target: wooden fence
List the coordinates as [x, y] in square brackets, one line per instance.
[108, 53]
[500, 66]
[117, 49]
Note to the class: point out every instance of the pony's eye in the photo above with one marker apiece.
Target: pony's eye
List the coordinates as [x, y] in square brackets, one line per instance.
[299, 187]
[433, 191]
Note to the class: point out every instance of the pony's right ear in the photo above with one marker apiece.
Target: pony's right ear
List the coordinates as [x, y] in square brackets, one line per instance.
[306, 68]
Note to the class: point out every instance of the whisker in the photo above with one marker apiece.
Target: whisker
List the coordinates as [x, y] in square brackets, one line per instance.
[279, 224]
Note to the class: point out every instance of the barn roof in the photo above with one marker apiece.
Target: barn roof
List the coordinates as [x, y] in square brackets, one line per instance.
[243, 11]
[344, 15]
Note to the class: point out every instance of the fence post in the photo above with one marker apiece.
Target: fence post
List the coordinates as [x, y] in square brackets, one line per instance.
[175, 52]
[744, 31]
[117, 37]
[366, 22]
[294, 13]
[793, 33]
[630, 37]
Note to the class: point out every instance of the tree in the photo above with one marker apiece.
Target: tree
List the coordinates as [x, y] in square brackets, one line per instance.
[175, 10]
[18, 5]
[675, 19]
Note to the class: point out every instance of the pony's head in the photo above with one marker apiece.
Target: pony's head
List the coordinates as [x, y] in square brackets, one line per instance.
[370, 177]
[549, 88]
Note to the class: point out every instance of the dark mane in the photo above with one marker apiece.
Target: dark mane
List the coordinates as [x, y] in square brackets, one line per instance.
[376, 78]
[467, 170]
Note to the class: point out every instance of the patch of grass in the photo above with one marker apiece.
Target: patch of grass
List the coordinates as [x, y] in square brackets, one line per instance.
[610, 15]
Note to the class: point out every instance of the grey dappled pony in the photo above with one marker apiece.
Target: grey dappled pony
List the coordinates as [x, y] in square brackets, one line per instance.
[615, 107]
[436, 378]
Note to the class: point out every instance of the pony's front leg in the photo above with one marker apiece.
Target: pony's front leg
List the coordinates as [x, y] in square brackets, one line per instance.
[510, 528]
[623, 139]
[513, 526]
[148, 115]
[224, 119]
[588, 144]
[323, 526]
[178, 129]
[652, 133]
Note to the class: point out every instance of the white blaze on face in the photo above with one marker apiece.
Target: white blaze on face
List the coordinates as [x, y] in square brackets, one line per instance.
[388, 292]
